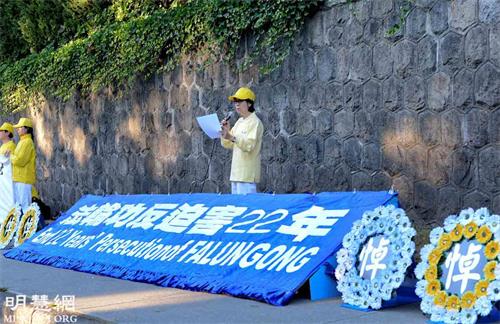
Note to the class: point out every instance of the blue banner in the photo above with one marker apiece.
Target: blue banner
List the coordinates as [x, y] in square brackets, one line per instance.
[258, 246]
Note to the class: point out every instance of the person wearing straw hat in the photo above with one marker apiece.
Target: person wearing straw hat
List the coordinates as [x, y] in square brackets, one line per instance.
[245, 139]
[23, 161]
[7, 138]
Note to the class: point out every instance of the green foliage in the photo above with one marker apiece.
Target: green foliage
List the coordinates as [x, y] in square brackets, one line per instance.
[130, 38]
[404, 11]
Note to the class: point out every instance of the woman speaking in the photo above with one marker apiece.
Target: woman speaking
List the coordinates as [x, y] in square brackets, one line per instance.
[245, 139]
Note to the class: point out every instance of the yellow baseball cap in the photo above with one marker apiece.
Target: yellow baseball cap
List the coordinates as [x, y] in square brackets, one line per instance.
[7, 127]
[242, 94]
[24, 122]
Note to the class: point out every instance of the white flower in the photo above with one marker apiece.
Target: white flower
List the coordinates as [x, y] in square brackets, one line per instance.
[481, 215]
[425, 251]
[468, 316]
[342, 256]
[494, 290]
[466, 216]
[426, 304]
[438, 313]
[368, 217]
[420, 288]
[497, 271]
[347, 241]
[375, 303]
[391, 208]
[408, 249]
[356, 226]
[483, 306]
[435, 234]
[420, 269]
[340, 271]
[494, 223]
[398, 214]
[405, 223]
[452, 317]
[450, 222]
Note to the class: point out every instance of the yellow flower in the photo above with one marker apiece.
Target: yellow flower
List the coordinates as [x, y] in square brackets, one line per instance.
[445, 242]
[435, 256]
[453, 303]
[492, 249]
[481, 288]
[457, 233]
[483, 235]
[440, 298]
[431, 273]
[489, 270]
[433, 287]
[468, 300]
[470, 230]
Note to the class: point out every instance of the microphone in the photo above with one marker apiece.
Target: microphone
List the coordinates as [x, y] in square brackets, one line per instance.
[229, 115]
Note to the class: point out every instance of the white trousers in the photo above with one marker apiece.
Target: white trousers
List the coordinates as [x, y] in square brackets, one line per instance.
[22, 195]
[243, 188]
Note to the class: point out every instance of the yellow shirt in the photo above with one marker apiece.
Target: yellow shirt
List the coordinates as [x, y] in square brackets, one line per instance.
[24, 161]
[10, 146]
[245, 165]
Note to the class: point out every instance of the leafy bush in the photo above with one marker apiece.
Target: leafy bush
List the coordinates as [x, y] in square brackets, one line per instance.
[127, 39]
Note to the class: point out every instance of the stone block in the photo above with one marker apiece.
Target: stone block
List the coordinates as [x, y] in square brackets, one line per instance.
[439, 165]
[353, 95]
[326, 64]
[382, 60]
[464, 168]
[489, 168]
[489, 11]
[439, 91]
[427, 55]
[371, 158]
[463, 93]
[425, 200]
[343, 123]
[448, 202]
[487, 85]
[403, 54]
[333, 151]
[463, 14]
[439, 15]
[415, 23]
[476, 46]
[360, 62]
[430, 128]
[475, 128]
[361, 181]
[451, 52]
[495, 45]
[414, 93]
[476, 199]
[372, 95]
[393, 93]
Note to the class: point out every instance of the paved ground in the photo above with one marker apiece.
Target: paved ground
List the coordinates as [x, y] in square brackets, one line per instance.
[124, 301]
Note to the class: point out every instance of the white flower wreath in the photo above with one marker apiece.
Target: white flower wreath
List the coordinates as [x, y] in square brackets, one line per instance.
[27, 224]
[444, 305]
[393, 225]
[9, 226]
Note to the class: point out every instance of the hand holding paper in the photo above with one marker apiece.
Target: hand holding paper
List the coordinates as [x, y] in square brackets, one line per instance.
[210, 124]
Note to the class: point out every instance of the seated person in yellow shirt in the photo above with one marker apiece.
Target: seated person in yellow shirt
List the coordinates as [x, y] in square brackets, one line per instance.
[23, 161]
[7, 139]
[245, 139]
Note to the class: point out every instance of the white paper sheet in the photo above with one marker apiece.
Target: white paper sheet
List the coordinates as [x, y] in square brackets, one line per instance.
[210, 124]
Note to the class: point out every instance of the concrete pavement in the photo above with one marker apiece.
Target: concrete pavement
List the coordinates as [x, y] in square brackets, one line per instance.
[104, 299]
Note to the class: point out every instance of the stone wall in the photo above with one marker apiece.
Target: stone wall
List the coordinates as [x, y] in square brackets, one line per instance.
[350, 109]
